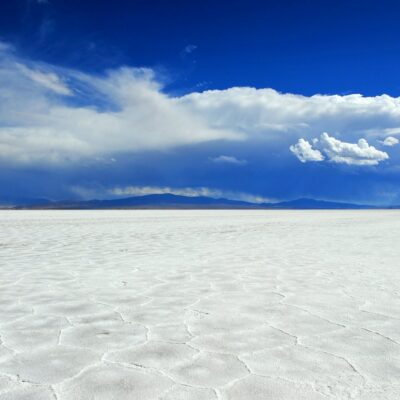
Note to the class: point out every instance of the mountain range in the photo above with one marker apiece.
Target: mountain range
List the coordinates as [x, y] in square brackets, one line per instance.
[171, 201]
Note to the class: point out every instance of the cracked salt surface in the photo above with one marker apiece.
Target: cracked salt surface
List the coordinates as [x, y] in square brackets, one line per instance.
[199, 305]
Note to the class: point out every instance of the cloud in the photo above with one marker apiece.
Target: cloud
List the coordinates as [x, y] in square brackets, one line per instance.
[304, 152]
[48, 80]
[390, 141]
[360, 153]
[228, 160]
[269, 114]
[336, 151]
[186, 191]
[190, 48]
[54, 115]
[122, 111]
[5, 47]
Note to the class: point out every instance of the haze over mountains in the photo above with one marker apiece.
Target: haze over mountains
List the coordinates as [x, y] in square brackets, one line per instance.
[171, 201]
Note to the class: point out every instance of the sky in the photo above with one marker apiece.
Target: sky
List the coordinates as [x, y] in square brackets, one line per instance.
[249, 100]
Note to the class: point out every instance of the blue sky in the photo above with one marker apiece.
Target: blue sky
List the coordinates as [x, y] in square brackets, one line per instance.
[254, 100]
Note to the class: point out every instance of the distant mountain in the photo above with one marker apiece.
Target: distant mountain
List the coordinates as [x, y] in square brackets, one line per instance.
[152, 201]
[312, 204]
[171, 201]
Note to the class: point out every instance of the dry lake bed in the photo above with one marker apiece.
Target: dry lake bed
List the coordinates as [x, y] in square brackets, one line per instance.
[199, 305]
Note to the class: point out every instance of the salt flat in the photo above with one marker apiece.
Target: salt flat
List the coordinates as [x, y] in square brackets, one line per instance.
[199, 305]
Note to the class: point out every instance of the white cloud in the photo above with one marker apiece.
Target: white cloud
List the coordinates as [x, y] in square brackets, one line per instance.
[56, 115]
[186, 191]
[390, 141]
[360, 153]
[228, 160]
[37, 127]
[391, 131]
[48, 80]
[190, 48]
[270, 114]
[304, 151]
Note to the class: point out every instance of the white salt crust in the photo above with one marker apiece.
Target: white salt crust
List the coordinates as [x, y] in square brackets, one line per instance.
[199, 305]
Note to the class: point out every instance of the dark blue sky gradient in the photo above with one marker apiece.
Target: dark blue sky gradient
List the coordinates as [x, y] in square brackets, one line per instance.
[307, 47]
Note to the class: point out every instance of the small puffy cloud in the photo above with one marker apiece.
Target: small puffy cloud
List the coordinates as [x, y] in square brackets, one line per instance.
[336, 151]
[186, 191]
[228, 160]
[360, 153]
[390, 141]
[304, 151]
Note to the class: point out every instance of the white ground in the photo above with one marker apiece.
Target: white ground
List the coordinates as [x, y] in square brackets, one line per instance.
[199, 305]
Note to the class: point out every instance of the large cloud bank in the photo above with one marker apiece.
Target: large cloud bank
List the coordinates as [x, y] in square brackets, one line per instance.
[52, 115]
